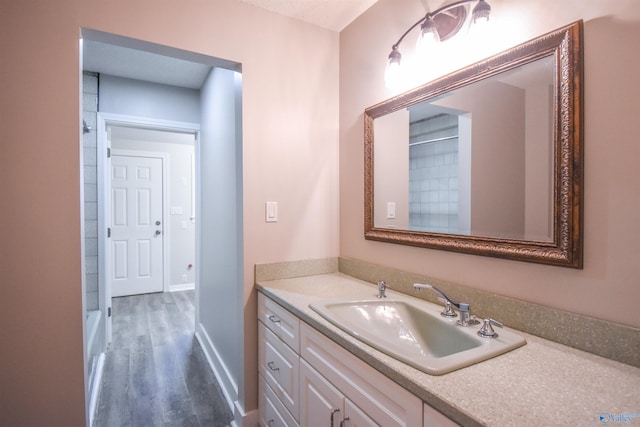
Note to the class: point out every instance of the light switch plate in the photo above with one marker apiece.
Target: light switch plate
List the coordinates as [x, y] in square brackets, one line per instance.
[391, 210]
[271, 212]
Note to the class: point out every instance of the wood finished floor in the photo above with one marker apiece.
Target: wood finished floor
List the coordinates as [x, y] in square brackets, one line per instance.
[155, 372]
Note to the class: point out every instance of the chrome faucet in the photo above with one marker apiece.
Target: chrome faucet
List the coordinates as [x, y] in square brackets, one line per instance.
[382, 287]
[463, 308]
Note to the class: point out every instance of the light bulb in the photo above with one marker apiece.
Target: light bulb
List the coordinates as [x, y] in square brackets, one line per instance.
[428, 38]
[392, 72]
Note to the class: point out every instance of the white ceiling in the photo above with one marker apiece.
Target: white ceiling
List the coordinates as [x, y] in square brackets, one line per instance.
[115, 56]
[114, 60]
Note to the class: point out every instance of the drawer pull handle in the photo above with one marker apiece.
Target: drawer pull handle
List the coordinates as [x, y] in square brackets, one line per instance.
[270, 423]
[332, 414]
[271, 366]
[274, 319]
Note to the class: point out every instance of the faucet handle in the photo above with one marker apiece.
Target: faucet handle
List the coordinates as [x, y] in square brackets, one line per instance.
[487, 330]
[382, 287]
[448, 311]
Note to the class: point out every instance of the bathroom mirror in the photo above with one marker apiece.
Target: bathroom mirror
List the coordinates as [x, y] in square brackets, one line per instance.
[486, 160]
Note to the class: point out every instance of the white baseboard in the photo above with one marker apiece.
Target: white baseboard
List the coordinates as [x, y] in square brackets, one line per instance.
[182, 287]
[94, 392]
[226, 381]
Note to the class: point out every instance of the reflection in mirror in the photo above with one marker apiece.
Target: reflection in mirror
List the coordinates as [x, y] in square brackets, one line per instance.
[486, 160]
[479, 159]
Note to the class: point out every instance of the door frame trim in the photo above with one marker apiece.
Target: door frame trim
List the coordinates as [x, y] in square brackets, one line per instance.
[103, 121]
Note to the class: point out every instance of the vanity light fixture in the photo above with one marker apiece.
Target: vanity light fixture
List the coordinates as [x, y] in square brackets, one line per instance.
[437, 26]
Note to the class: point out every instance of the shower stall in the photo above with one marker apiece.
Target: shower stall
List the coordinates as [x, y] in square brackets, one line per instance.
[94, 316]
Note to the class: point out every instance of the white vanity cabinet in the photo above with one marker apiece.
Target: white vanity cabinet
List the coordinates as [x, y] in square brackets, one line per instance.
[383, 401]
[307, 380]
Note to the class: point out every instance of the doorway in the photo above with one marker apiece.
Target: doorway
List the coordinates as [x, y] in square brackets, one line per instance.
[164, 260]
[212, 114]
[146, 198]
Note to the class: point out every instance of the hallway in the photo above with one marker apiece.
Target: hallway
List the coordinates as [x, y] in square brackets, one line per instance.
[155, 372]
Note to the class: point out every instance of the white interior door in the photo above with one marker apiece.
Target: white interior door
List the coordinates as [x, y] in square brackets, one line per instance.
[136, 225]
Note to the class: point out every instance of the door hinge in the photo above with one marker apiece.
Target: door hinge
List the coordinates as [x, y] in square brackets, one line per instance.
[108, 232]
[108, 152]
[109, 312]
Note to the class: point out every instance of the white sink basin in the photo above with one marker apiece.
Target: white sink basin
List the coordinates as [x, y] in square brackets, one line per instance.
[413, 332]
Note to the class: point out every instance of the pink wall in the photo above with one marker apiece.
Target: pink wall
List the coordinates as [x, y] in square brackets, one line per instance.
[607, 288]
[290, 131]
[391, 166]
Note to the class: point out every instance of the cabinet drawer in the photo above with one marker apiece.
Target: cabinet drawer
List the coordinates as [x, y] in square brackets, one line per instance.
[272, 412]
[279, 366]
[284, 324]
[381, 399]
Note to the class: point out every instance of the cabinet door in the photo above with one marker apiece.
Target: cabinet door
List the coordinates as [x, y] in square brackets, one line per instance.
[354, 417]
[380, 398]
[321, 404]
[434, 418]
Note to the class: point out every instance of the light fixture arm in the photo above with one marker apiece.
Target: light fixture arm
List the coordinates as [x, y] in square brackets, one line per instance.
[431, 15]
[397, 44]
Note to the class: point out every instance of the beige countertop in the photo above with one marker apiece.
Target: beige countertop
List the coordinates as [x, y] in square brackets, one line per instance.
[540, 384]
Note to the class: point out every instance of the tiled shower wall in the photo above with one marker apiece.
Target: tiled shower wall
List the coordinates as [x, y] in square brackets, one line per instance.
[433, 174]
[90, 165]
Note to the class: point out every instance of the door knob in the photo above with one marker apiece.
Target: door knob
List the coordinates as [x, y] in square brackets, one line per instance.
[157, 222]
[158, 232]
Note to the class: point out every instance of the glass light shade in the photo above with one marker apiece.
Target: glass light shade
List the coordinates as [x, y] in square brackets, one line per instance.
[392, 72]
[428, 38]
[392, 75]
